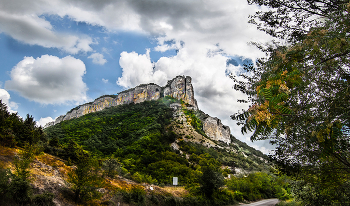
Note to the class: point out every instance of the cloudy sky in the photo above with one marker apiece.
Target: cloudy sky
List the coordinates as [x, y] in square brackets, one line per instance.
[56, 54]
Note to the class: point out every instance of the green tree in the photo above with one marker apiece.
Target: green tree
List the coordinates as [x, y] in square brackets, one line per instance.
[211, 179]
[111, 166]
[19, 187]
[300, 92]
[85, 177]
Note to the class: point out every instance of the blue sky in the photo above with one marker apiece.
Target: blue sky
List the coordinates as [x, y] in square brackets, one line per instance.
[58, 54]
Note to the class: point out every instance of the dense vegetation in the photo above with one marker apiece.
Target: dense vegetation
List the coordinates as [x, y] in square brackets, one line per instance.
[133, 141]
[136, 134]
[300, 95]
[15, 188]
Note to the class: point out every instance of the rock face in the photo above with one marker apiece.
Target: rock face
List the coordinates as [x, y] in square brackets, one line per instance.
[180, 88]
[215, 130]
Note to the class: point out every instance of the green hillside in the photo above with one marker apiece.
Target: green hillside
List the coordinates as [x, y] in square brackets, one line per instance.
[143, 142]
[139, 136]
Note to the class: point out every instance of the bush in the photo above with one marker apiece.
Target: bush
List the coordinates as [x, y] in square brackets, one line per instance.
[126, 196]
[171, 201]
[5, 175]
[20, 190]
[223, 197]
[141, 178]
[138, 194]
[111, 167]
[238, 196]
[45, 199]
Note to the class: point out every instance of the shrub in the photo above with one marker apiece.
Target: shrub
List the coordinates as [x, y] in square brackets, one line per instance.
[223, 197]
[44, 199]
[238, 196]
[20, 190]
[111, 167]
[138, 194]
[5, 175]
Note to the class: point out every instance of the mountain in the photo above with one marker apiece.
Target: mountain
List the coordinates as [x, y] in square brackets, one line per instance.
[150, 127]
[126, 148]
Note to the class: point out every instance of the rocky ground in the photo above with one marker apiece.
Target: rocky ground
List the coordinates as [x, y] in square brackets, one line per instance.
[49, 174]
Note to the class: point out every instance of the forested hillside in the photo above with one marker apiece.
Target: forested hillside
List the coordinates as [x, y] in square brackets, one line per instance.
[103, 157]
[139, 135]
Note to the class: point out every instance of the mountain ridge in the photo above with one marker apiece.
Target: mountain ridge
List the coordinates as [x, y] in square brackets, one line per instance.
[180, 88]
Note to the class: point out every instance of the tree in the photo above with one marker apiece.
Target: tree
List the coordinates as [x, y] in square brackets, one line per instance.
[111, 167]
[211, 179]
[300, 93]
[292, 20]
[16, 131]
[85, 177]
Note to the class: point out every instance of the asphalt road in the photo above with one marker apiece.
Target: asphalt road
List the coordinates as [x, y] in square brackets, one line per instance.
[268, 202]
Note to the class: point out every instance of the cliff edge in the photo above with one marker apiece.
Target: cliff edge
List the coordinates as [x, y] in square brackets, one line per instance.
[179, 88]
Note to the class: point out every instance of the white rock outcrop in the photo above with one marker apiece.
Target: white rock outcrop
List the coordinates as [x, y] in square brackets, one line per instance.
[215, 130]
[179, 88]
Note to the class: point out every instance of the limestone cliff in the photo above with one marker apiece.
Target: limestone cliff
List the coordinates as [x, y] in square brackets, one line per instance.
[214, 129]
[180, 88]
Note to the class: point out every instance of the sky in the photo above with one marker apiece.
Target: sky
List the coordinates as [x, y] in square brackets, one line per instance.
[57, 54]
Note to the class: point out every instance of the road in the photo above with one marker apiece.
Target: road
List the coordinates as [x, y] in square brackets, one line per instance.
[268, 202]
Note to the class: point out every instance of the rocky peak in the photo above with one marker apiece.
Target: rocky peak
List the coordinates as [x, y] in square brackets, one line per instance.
[180, 88]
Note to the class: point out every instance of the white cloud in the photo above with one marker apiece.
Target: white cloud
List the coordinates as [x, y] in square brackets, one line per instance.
[43, 121]
[49, 79]
[212, 87]
[193, 22]
[138, 69]
[5, 97]
[204, 32]
[105, 80]
[97, 58]
[33, 30]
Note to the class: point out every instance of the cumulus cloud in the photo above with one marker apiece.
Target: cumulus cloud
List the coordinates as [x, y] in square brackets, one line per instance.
[44, 120]
[138, 69]
[105, 80]
[49, 79]
[196, 22]
[212, 86]
[97, 58]
[5, 98]
[36, 31]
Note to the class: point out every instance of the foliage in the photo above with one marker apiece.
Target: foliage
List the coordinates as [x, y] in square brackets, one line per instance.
[300, 92]
[260, 185]
[14, 131]
[45, 199]
[254, 162]
[211, 179]
[194, 120]
[292, 20]
[319, 192]
[15, 188]
[85, 178]
[111, 166]
[5, 180]
[135, 195]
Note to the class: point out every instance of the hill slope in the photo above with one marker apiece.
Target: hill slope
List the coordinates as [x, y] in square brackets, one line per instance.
[153, 141]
